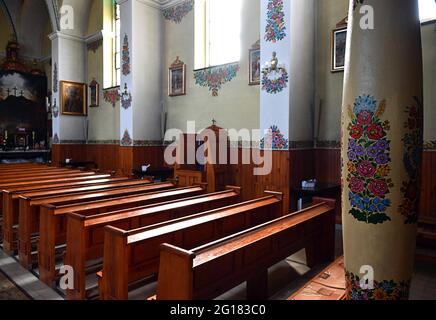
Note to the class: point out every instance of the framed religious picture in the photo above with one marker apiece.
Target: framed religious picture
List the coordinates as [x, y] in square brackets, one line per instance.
[339, 44]
[177, 79]
[94, 94]
[254, 65]
[73, 98]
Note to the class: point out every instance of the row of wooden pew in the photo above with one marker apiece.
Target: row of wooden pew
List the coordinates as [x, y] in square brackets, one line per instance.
[197, 245]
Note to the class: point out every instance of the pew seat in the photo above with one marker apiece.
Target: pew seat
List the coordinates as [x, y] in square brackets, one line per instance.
[85, 233]
[131, 255]
[205, 272]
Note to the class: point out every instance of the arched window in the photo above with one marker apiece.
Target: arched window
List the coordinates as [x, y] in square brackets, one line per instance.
[217, 32]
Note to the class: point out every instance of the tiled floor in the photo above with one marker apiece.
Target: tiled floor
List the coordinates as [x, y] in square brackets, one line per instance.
[293, 272]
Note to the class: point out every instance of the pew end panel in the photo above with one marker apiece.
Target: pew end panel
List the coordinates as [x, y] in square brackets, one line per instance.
[175, 280]
[115, 275]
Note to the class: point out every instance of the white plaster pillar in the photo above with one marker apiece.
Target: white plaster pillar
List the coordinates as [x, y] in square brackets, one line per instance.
[68, 64]
[141, 44]
[287, 28]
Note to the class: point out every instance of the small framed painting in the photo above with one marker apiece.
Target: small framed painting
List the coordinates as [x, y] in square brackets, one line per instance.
[177, 79]
[73, 98]
[339, 44]
[94, 94]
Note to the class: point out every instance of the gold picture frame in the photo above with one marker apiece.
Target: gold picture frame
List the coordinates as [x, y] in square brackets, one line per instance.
[73, 98]
[177, 78]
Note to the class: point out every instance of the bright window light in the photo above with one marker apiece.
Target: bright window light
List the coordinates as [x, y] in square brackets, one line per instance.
[427, 10]
[217, 32]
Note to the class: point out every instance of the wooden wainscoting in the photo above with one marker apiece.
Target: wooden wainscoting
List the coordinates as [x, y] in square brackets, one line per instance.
[328, 165]
[428, 192]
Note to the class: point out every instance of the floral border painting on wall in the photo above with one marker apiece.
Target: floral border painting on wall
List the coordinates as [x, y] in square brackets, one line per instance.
[178, 12]
[215, 77]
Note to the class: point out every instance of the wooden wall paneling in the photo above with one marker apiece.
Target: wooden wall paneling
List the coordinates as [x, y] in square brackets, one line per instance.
[428, 186]
[328, 165]
[153, 155]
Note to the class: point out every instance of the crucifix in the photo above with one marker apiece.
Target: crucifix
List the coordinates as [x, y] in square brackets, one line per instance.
[213, 122]
[15, 91]
[8, 92]
[21, 93]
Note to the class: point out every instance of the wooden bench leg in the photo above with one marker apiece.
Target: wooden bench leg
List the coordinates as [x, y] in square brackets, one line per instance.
[47, 249]
[24, 237]
[257, 286]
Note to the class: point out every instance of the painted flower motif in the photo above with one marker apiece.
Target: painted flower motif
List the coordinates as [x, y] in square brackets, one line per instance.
[275, 29]
[364, 118]
[379, 188]
[368, 153]
[383, 171]
[178, 12]
[373, 152]
[356, 131]
[274, 140]
[382, 290]
[375, 132]
[356, 185]
[126, 56]
[215, 77]
[366, 169]
[274, 86]
[365, 103]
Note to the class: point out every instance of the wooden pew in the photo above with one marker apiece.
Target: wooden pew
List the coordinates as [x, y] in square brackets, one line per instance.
[11, 200]
[133, 255]
[210, 270]
[330, 284]
[46, 184]
[39, 172]
[38, 183]
[48, 214]
[47, 177]
[85, 233]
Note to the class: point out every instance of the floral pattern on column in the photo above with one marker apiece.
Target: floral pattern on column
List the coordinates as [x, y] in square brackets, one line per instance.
[412, 159]
[384, 290]
[274, 140]
[215, 77]
[127, 140]
[126, 56]
[56, 139]
[275, 27]
[55, 77]
[369, 161]
[276, 84]
[126, 102]
[178, 12]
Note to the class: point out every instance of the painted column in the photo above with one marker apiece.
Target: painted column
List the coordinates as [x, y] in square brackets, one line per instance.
[288, 33]
[381, 147]
[141, 72]
[275, 63]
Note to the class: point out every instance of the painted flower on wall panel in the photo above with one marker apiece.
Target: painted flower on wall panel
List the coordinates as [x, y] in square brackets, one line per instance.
[112, 96]
[178, 12]
[126, 141]
[369, 161]
[215, 77]
[274, 140]
[275, 29]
